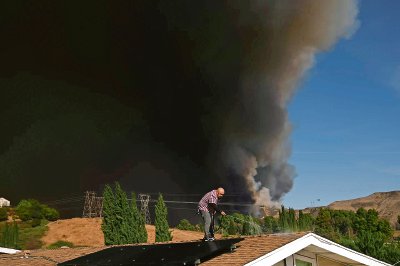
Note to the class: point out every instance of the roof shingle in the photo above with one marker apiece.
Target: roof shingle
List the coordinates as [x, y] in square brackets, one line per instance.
[252, 248]
[247, 250]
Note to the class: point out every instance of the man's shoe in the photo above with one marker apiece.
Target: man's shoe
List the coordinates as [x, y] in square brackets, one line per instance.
[210, 239]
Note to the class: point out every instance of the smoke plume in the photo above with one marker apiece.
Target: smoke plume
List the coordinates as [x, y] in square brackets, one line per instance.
[164, 96]
[285, 37]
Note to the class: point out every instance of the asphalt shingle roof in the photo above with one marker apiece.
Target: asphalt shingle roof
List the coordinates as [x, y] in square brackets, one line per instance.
[246, 250]
[252, 248]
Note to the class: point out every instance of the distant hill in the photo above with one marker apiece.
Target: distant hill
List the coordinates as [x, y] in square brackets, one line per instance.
[386, 203]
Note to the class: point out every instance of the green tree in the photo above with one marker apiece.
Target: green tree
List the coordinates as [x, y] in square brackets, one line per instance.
[29, 209]
[138, 222]
[109, 224]
[390, 252]
[122, 222]
[270, 225]
[9, 236]
[362, 231]
[343, 222]
[324, 225]
[161, 222]
[305, 221]
[3, 214]
[124, 218]
[284, 220]
[369, 242]
[50, 214]
[292, 222]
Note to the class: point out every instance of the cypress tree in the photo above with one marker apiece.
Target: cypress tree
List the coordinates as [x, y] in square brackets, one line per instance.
[109, 224]
[123, 216]
[292, 220]
[122, 222]
[138, 223]
[302, 221]
[9, 237]
[283, 219]
[161, 222]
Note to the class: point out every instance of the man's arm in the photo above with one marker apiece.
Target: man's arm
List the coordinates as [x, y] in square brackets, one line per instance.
[214, 206]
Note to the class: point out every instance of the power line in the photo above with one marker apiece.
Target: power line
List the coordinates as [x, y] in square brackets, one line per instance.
[185, 194]
[70, 199]
[93, 205]
[245, 204]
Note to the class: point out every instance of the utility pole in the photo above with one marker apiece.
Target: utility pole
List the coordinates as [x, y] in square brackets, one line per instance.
[93, 206]
[99, 206]
[144, 207]
[88, 207]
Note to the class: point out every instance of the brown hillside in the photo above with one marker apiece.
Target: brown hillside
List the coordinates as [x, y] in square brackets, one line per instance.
[386, 203]
[87, 232]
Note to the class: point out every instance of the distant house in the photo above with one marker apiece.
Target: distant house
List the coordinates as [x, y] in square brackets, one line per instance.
[8, 251]
[4, 202]
[291, 249]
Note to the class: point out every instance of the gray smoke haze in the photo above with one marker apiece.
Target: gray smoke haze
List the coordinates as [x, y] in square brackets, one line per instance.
[286, 37]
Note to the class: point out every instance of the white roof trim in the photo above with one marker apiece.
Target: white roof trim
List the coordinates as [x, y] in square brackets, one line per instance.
[8, 250]
[285, 251]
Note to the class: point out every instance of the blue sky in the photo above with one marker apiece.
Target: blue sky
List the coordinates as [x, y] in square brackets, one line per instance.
[346, 114]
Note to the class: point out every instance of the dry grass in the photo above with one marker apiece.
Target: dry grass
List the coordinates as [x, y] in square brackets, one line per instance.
[87, 232]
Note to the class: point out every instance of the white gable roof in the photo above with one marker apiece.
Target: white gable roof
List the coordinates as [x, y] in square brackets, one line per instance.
[315, 243]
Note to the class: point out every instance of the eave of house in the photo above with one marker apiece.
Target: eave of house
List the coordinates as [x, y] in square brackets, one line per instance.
[320, 246]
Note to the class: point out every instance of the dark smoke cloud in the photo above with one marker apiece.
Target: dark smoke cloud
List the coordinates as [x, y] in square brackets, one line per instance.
[170, 96]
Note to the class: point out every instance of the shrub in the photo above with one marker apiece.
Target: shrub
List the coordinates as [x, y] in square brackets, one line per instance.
[60, 244]
[50, 214]
[29, 209]
[32, 209]
[29, 237]
[35, 222]
[184, 224]
[230, 226]
[390, 252]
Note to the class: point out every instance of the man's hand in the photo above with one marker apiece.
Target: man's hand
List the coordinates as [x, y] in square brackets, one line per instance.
[223, 213]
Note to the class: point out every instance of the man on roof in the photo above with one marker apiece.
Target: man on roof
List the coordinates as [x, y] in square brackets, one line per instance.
[208, 208]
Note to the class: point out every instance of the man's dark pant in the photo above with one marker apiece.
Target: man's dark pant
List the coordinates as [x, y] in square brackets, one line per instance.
[208, 220]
